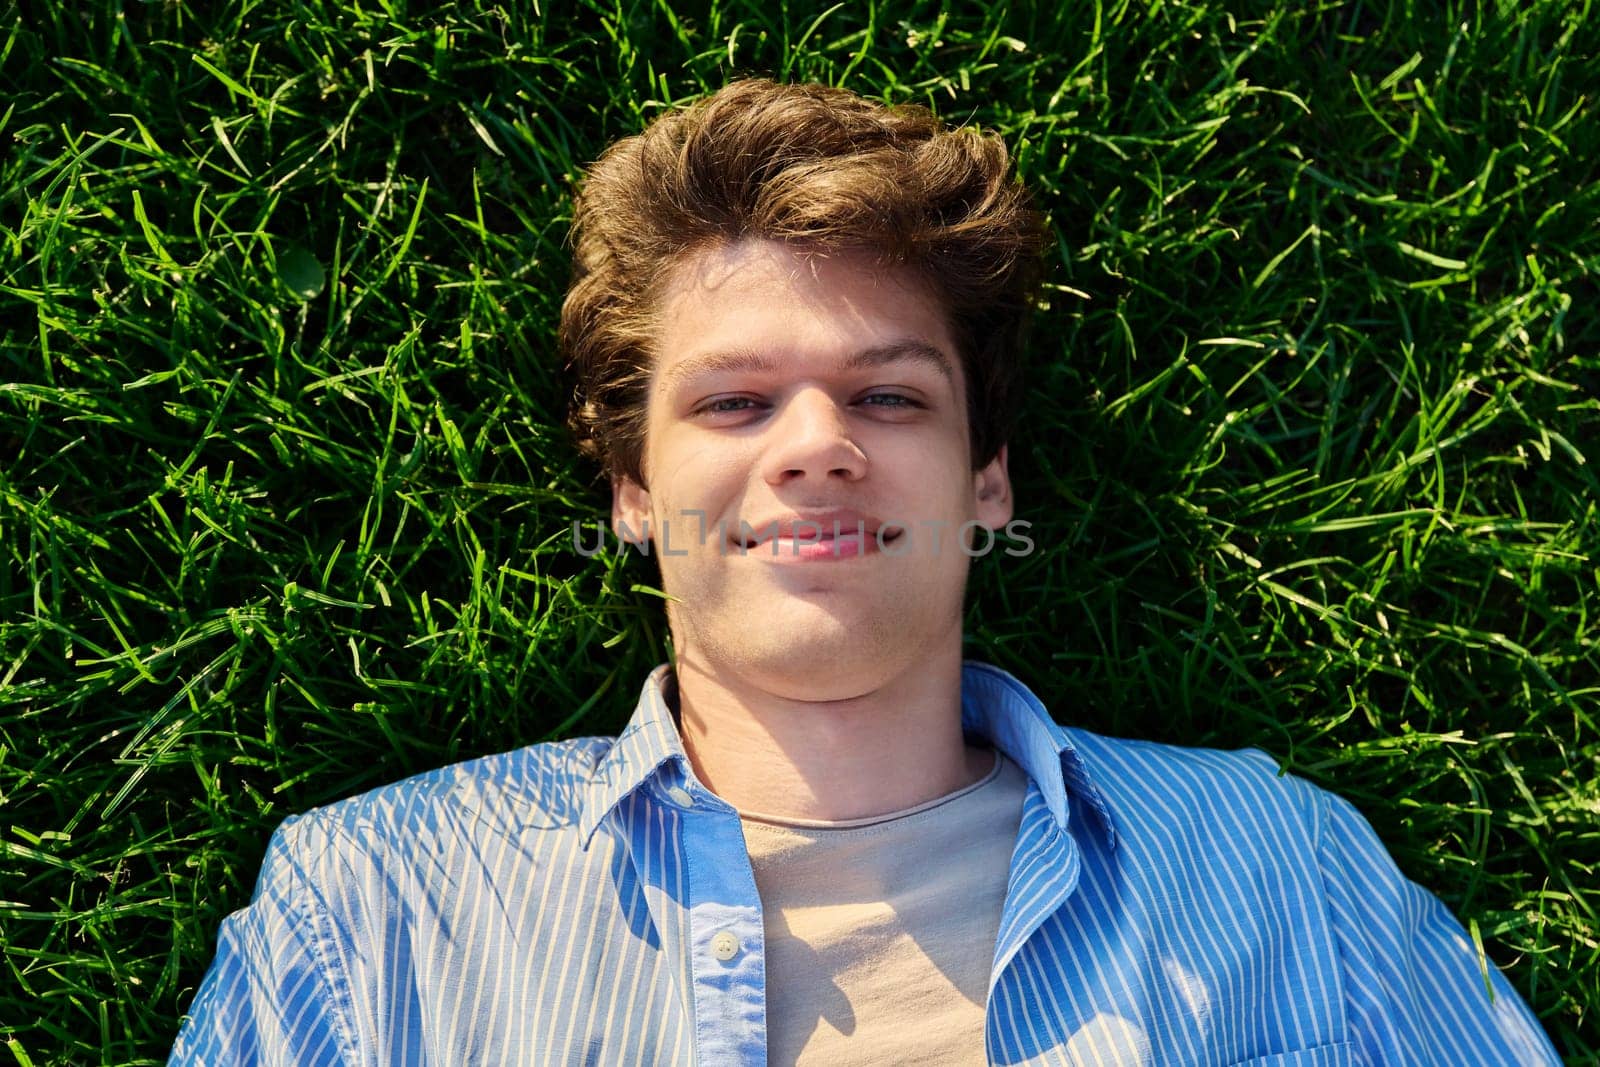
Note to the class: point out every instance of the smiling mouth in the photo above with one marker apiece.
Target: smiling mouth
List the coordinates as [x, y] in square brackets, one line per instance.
[846, 545]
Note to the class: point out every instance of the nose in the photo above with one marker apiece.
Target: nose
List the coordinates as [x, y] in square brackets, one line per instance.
[811, 439]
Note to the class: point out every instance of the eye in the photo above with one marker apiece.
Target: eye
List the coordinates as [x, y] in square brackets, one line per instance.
[727, 405]
[889, 400]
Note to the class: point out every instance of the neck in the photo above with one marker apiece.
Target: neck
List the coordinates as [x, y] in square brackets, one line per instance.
[894, 744]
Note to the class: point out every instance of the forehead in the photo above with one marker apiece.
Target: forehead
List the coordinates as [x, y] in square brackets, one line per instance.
[774, 300]
[752, 359]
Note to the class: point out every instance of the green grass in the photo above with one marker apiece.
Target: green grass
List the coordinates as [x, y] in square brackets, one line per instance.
[285, 501]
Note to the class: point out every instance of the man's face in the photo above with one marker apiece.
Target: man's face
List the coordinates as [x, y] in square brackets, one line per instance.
[792, 387]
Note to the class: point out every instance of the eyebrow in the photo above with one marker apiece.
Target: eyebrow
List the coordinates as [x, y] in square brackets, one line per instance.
[751, 361]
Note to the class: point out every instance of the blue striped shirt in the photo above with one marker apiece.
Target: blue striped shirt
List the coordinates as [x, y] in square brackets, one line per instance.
[558, 905]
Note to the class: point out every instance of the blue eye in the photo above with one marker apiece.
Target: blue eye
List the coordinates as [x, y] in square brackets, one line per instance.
[719, 406]
[891, 400]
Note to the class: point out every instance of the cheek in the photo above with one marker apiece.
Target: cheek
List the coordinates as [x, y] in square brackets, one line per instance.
[696, 475]
[934, 461]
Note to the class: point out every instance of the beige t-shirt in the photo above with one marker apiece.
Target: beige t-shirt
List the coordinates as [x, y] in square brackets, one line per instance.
[880, 932]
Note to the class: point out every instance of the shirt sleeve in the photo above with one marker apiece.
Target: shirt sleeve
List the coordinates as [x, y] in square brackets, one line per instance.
[268, 997]
[1416, 990]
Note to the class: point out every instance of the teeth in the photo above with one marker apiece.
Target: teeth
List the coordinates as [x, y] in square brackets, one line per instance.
[824, 539]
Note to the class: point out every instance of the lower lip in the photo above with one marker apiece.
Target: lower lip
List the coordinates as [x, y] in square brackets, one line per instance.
[847, 546]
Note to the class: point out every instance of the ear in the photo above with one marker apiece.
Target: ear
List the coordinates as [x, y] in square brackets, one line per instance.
[992, 492]
[630, 510]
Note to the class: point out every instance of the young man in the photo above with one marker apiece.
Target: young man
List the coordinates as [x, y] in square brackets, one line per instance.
[823, 837]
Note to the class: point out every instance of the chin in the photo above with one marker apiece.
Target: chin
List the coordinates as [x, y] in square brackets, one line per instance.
[821, 679]
[820, 658]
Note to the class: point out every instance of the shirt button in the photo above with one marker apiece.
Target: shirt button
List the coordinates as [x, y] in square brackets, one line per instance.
[725, 946]
[680, 795]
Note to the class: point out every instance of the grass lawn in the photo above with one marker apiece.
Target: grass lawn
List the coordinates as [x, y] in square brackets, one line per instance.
[286, 501]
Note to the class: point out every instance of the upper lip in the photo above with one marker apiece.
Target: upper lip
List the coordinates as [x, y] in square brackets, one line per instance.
[818, 525]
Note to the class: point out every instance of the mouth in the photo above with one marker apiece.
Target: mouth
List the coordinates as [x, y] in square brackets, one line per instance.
[847, 544]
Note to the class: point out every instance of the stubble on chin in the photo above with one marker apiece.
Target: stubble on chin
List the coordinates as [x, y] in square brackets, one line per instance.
[800, 655]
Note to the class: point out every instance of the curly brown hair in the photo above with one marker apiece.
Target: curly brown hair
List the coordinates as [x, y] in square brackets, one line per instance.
[818, 167]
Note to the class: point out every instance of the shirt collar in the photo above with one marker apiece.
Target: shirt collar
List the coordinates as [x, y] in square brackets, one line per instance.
[994, 706]
[649, 740]
[999, 708]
